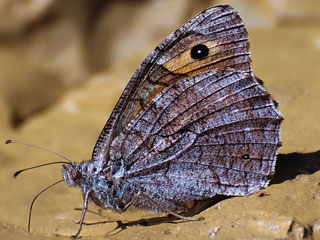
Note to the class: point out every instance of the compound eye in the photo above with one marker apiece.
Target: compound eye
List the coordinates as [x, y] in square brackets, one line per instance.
[74, 174]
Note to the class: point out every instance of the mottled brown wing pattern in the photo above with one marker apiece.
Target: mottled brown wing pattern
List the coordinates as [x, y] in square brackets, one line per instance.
[214, 133]
[219, 28]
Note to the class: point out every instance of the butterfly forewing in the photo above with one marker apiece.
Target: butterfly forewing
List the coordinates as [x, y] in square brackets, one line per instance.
[218, 29]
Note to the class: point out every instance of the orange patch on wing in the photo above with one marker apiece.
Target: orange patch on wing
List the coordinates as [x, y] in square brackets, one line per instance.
[141, 105]
[184, 63]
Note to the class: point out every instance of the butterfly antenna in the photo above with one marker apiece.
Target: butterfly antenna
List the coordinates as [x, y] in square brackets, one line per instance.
[34, 199]
[25, 169]
[34, 146]
[68, 161]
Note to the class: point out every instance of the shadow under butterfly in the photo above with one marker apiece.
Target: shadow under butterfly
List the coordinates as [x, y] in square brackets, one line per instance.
[194, 125]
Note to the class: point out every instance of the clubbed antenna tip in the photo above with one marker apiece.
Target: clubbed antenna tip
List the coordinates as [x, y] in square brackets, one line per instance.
[17, 173]
[9, 141]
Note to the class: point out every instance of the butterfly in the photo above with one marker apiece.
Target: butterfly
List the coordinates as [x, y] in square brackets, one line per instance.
[193, 122]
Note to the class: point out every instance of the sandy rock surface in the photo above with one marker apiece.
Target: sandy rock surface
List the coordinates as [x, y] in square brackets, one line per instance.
[63, 65]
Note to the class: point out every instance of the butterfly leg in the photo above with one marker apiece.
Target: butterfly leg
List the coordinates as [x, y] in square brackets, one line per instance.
[168, 211]
[132, 201]
[83, 213]
[135, 198]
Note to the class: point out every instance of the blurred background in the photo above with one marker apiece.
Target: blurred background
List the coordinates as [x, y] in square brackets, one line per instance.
[63, 65]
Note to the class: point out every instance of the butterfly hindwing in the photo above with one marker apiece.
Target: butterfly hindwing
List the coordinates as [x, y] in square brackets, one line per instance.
[214, 133]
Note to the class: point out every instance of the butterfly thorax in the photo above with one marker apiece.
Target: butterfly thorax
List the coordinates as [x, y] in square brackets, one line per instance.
[104, 190]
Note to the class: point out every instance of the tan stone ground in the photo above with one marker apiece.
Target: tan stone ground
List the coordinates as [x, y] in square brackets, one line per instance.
[62, 74]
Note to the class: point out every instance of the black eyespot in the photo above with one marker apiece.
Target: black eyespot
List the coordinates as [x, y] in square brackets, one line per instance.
[246, 156]
[199, 51]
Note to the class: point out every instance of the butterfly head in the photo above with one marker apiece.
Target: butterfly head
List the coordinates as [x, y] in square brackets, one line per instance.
[71, 174]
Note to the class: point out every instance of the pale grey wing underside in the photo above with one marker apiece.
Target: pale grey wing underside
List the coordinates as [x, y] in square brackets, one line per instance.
[215, 133]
